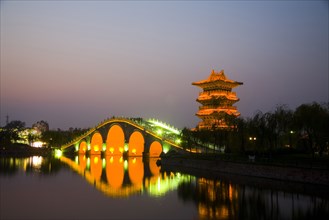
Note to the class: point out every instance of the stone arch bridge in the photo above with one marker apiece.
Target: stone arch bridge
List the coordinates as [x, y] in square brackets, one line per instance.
[127, 136]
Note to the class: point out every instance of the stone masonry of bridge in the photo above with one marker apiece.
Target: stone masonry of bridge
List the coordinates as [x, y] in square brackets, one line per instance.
[130, 136]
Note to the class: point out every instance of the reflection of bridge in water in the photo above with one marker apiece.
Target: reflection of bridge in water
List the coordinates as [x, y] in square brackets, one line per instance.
[126, 136]
[119, 177]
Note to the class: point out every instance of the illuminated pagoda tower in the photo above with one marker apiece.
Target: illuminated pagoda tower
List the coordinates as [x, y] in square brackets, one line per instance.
[217, 100]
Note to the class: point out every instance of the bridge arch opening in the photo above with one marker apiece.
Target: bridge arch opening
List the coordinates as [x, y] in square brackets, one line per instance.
[136, 144]
[155, 149]
[96, 143]
[115, 141]
[83, 147]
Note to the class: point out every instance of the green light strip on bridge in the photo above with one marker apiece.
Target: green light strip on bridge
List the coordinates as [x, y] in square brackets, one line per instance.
[164, 126]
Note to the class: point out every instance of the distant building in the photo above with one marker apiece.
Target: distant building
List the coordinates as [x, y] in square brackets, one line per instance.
[217, 101]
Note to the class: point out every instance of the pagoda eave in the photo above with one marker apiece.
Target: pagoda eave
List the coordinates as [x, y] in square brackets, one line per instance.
[216, 84]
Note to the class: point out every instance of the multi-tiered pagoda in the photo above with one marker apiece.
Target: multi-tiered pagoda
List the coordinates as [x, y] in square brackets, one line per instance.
[217, 101]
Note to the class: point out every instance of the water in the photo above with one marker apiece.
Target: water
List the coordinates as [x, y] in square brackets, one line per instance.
[117, 188]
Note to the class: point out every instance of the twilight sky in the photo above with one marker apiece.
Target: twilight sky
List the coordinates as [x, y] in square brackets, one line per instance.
[75, 63]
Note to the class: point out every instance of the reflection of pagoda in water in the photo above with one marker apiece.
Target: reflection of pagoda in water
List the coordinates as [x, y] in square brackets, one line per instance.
[217, 100]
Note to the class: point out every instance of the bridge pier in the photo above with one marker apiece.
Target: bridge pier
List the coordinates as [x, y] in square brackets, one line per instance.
[146, 154]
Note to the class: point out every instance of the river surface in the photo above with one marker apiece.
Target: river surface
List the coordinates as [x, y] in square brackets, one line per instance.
[116, 188]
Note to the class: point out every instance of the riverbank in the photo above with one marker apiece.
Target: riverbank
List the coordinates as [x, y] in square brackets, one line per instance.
[23, 150]
[250, 169]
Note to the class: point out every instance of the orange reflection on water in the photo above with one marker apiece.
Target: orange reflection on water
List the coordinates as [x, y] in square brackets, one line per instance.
[136, 170]
[82, 161]
[124, 177]
[114, 171]
[155, 170]
[96, 166]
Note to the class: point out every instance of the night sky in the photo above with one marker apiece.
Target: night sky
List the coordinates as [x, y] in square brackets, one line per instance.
[75, 63]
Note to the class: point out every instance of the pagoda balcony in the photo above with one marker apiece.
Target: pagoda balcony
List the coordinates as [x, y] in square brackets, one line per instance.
[217, 107]
[218, 92]
[217, 102]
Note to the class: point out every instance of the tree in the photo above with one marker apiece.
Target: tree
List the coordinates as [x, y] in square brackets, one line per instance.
[240, 134]
[41, 126]
[10, 133]
[284, 119]
[312, 122]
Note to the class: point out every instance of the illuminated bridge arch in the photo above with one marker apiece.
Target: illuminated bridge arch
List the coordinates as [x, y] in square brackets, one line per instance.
[83, 147]
[115, 140]
[96, 143]
[155, 149]
[136, 144]
[120, 136]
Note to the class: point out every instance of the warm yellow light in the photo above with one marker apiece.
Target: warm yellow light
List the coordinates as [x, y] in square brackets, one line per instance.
[230, 192]
[58, 153]
[36, 161]
[125, 164]
[159, 183]
[37, 144]
[126, 148]
[133, 151]
[88, 163]
[103, 163]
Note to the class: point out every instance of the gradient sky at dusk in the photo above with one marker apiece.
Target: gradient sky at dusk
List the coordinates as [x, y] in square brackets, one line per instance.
[75, 63]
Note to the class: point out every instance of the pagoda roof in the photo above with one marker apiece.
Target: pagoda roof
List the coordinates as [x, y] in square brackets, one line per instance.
[217, 80]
